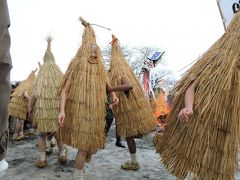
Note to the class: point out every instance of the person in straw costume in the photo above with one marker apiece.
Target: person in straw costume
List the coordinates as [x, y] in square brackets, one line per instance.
[46, 100]
[133, 114]
[203, 135]
[18, 104]
[83, 97]
[31, 110]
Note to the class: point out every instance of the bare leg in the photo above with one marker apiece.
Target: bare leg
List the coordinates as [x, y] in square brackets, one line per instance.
[118, 140]
[21, 121]
[133, 164]
[62, 158]
[80, 161]
[59, 143]
[48, 142]
[18, 129]
[88, 158]
[42, 142]
[131, 145]
[42, 149]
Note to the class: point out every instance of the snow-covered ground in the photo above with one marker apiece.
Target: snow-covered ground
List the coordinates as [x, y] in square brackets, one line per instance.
[105, 164]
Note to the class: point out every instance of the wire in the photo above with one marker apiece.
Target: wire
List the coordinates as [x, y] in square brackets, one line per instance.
[101, 26]
[187, 65]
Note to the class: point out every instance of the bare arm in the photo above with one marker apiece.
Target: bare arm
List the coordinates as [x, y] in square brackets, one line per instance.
[189, 96]
[188, 101]
[63, 97]
[125, 86]
[114, 98]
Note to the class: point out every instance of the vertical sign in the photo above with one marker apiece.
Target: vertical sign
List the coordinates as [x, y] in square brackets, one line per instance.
[228, 8]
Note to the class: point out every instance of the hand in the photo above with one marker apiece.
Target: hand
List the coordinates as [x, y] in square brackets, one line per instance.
[115, 101]
[184, 114]
[61, 118]
[109, 89]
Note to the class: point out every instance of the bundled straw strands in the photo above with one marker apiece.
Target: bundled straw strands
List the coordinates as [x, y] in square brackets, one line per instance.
[207, 145]
[45, 89]
[18, 103]
[85, 104]
[133, 114]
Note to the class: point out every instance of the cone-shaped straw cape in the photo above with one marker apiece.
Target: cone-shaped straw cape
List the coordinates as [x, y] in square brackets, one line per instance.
[133, 114]
[207, 145]
[45, 89]
[85, 104]
[18, 103]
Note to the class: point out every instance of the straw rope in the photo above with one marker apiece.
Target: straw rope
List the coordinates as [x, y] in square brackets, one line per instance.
[85, 104]
[133, 114]
[207, 146]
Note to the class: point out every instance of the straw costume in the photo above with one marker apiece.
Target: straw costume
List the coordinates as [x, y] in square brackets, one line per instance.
[18, 104]
[85, 105]
[133, 114]
[45, 89]
[46, 100]
[207, 145]
[84, 89]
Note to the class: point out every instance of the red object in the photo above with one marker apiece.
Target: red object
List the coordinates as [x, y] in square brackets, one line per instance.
[146, 85]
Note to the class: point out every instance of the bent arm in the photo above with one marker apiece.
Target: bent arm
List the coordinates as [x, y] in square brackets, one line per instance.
[113, 96]
[187, 111]
[125, 86]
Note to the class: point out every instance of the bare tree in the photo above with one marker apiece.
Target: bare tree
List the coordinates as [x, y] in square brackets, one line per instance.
[135, 56]
[106, 52]
[127, 53]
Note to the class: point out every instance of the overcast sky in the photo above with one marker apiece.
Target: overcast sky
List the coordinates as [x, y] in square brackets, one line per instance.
[184, 29]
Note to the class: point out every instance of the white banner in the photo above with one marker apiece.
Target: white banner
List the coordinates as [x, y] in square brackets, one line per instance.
[228, 8]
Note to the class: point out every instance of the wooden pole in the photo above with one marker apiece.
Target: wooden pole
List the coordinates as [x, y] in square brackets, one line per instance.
[221, 15]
